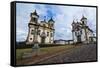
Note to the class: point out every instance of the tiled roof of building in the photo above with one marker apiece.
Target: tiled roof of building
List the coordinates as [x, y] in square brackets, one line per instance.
[89, 28]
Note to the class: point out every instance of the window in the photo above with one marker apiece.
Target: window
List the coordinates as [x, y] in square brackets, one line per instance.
[43, 25]
[39, 31]
[30, 38]
[51, 34]
[34, 19]
[81, 31]
[76, 33]
[32, 31]
[82, 22]
[47, 33]
[51, 25]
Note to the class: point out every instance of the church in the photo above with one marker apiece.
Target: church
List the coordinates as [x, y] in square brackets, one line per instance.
[81, 32]
[40, 31]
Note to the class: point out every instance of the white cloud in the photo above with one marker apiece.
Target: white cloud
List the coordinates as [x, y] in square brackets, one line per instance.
[63, 16]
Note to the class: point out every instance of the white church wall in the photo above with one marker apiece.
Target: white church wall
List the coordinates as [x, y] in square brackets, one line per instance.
[75, 38]
[83, 35]
[46, 39]
[89, 34]
[41, 30]
[52, 38]
[39, 39]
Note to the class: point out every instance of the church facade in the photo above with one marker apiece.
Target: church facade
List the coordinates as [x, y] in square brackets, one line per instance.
[41, 32]
[81, 32]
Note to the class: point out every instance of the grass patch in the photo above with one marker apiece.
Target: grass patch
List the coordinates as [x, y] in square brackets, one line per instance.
[19, 52]
[45, 50]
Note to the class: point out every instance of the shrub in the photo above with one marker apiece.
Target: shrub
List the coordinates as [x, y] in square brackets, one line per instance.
[23, 45]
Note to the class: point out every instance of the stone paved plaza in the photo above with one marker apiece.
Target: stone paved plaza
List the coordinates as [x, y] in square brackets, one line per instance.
[78, 54]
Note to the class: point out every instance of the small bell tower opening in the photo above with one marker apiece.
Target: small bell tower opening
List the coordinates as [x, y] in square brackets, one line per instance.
[34, 17]
[84, 20]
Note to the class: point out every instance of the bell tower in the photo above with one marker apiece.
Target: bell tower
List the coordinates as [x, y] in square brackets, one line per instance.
[34, 17]
[51, 25]
[84, 20]
[84, 25]
[73, 30]
[32, 30]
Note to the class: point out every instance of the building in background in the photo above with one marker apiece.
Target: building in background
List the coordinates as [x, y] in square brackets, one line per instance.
[81, 32]
[41, 32]
[61, 41]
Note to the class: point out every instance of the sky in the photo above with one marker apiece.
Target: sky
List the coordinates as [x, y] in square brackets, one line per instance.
[62, 15]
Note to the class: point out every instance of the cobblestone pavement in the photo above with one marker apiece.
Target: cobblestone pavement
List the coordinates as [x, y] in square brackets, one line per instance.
[78, 54]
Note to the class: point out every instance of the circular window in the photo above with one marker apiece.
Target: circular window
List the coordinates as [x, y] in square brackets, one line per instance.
[30, 38]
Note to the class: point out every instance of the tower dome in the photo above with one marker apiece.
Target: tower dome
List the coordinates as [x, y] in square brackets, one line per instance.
[51, 20]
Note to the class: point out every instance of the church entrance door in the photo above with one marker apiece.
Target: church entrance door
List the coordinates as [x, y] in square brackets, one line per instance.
[42, 39]
[79, 39]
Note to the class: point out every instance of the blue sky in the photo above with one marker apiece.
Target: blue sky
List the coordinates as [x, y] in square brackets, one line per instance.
[62, 15]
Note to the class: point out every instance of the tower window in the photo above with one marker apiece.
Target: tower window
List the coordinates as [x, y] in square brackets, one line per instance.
[34, 19]
[83, 22]
[52, 25]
